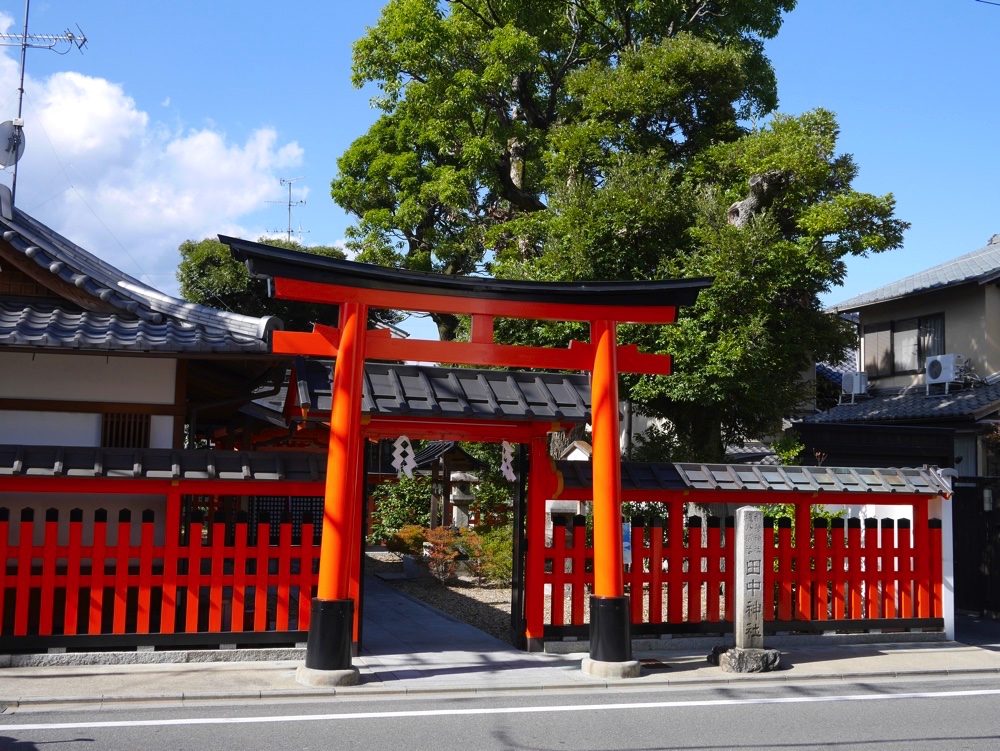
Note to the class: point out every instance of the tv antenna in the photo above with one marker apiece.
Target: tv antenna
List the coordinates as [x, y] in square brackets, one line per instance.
[12, 131]
[289, 203]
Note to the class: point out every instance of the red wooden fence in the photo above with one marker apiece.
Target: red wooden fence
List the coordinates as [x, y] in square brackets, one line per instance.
[119, 582]
[681, 576]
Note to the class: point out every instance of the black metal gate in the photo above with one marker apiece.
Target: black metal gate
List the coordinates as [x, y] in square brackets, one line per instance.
[976, 524]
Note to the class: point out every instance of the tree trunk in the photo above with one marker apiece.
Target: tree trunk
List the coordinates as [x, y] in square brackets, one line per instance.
[763, 190]
[447, 325]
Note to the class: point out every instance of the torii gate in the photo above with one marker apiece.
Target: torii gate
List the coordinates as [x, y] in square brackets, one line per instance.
[356, 288]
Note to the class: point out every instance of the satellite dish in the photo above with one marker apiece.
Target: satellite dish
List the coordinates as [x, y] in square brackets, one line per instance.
[11, 143]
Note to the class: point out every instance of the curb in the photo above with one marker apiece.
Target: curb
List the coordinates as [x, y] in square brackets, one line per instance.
[380, 690]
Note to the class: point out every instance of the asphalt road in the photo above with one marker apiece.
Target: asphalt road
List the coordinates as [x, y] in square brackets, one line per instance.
[893, 715]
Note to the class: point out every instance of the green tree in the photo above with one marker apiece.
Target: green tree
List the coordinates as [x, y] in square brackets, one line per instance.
[472, 92]
[742, 350]
[399, 504]
[581, 140]
[771, 216]
[209, 275]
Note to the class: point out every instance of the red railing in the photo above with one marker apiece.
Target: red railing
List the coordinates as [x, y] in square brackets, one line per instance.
[878, 574]
[112, 579]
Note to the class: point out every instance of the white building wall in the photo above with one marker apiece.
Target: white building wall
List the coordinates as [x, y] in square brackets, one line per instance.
[81, 378]
[161, 432]
[87, 378]
[88, 503]
[50, 428]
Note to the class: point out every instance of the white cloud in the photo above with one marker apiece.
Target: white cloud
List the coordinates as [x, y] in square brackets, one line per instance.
[129, 188]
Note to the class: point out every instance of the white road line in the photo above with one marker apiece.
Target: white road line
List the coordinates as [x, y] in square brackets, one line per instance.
[493, 711]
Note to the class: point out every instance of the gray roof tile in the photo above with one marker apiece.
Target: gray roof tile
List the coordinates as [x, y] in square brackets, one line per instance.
[668, 476]
[916, 406]
[167, 464]
[427, 391]
[978, 266]
[83, 462]
[44, 324]
[136, 315]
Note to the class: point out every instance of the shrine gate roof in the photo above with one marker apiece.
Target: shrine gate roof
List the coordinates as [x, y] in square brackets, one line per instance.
[268, 261]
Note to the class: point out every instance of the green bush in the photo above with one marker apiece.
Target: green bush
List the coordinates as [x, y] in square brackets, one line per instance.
[397, 504]
[408, 539]
[491, 507]
[497, 546]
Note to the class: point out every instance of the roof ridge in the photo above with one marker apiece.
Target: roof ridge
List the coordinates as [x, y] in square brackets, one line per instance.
[75, 265]
[933, 277]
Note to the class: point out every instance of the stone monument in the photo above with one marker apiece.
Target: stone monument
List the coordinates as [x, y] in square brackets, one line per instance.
[749, 654]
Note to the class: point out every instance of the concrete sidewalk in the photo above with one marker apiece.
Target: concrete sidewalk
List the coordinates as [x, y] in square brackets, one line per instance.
[411, 648]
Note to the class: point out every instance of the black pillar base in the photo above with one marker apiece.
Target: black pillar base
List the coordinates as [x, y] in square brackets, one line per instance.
[610, 629]
[534, 645]
[331, 632]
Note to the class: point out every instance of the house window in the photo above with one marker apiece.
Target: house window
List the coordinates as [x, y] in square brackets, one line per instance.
[902, 346]
[125, 431]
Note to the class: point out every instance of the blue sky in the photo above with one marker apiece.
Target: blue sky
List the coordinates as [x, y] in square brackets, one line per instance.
[180, 119]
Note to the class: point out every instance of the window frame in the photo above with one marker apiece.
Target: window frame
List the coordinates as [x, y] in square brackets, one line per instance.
[922, 325]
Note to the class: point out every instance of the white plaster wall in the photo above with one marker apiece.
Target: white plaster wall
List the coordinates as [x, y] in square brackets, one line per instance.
[50, 428]
[88, 378]
[161, 432]
[88, 503]
[872, 511]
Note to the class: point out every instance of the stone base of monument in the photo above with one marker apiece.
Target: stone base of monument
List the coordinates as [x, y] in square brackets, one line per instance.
[602, 669]
[737, 660]
[326, 678]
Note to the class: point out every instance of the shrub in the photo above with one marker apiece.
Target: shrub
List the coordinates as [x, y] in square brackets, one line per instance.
[397, 504]
[471, 543]
[497, 547]
[491, 507]
[407, 539]
[442, 550]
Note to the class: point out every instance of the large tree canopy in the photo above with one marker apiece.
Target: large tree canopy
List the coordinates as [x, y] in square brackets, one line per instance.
[209, 275]
[773, 248]
[472, 90]
[618, 139]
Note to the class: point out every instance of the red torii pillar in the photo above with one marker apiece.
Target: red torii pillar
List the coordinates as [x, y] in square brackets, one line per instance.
[355, 287]
[331, 620]
[609, 608]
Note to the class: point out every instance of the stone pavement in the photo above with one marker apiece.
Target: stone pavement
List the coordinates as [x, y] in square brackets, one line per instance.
[411, 648]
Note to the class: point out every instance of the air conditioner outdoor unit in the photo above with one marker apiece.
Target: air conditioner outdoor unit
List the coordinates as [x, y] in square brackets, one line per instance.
[854, 383]
[944, 368]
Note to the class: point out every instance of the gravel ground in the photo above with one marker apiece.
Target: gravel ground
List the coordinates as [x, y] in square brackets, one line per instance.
[486, 608]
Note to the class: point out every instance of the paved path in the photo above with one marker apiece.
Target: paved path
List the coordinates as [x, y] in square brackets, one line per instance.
[411, 648]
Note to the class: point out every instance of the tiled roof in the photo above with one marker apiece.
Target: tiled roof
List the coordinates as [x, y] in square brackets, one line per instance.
[427, 391]
[124, 311]
[738, 477]
[167, 464]
[477, 394]
[434, 450]
[46, 324]
[163, 464]
[916, 406]
[981, 266]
